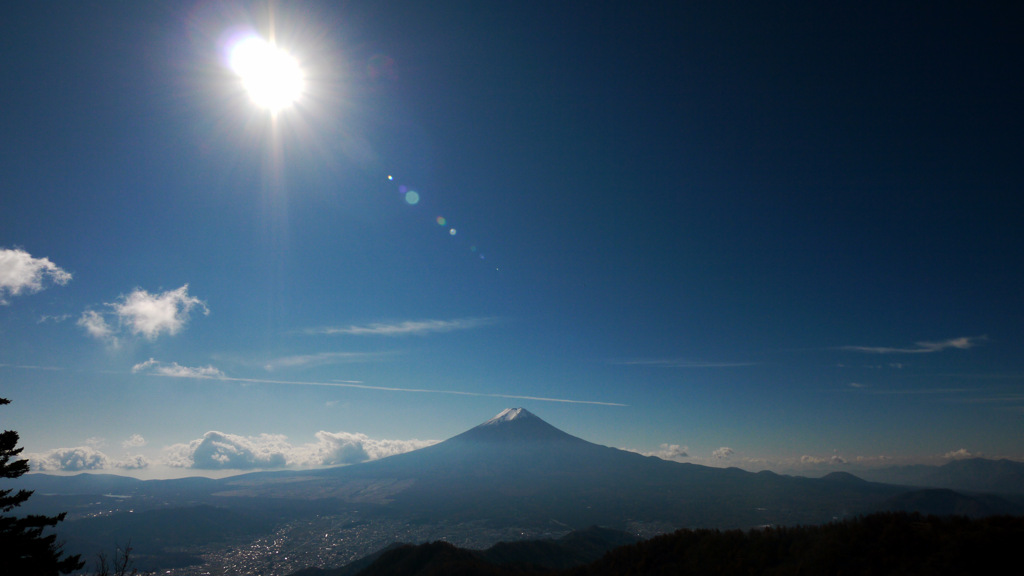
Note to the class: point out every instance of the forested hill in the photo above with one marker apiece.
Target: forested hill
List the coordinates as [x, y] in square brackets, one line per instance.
[885, 543]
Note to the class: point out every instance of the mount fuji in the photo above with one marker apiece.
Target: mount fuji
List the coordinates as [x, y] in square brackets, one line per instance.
[517, 468]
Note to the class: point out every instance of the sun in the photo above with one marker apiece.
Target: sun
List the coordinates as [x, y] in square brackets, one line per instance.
[271, 76]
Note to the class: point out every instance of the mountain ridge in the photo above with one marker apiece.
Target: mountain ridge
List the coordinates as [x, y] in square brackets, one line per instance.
[1000, 476]
[515, 467]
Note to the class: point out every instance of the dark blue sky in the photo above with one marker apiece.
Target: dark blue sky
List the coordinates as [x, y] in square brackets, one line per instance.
[777, 235]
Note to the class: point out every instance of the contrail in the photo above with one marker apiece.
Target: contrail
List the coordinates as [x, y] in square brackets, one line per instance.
[394, 389]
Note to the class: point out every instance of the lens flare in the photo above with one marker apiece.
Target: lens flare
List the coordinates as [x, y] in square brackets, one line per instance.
[412, 198]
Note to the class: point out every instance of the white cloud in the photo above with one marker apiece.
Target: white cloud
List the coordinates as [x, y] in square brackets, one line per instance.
[96, 325]
[136, 462]
[876, 461]
[144, 314]
[20, 272]
[830, 460]
[95, 442]
[150, 314]
[409, 327]
[668, 452]
[82, 458]
[722, 453]
[958, 454]
[217, 451]
[334, 448]
[337, 448]
[176, 370]
[134, 441]
[55, 318]
[962, 343]
[220, 451]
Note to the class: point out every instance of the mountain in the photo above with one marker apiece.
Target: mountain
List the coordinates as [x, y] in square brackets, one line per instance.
[517, 469]
[944, 502]
[845, 477]
[972, 475]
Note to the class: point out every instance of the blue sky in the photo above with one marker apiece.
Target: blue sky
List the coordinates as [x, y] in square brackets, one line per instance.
[780, 236]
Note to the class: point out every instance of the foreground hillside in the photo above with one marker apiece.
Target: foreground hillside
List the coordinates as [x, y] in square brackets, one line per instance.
[879, 544]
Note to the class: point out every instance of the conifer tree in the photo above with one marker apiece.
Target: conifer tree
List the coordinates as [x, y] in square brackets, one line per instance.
[24, 550]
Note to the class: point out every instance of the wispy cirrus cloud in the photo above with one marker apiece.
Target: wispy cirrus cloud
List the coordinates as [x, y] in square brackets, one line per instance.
[361, 386]
[30, 367]
[322, 359]
[962, 343]
[143, 314]
[679, 363]
[406, 328]
[176, 370]
[20, 272]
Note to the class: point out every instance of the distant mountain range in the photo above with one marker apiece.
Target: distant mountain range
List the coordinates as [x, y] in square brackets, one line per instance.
[971, 475]
[514, 470]
[518, 468]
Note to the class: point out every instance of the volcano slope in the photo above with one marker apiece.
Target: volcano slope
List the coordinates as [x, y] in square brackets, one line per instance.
[516, 469]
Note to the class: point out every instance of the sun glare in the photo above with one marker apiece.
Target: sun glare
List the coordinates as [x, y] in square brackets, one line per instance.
[270, 75]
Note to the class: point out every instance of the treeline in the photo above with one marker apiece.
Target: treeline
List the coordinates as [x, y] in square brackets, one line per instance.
[885, 543]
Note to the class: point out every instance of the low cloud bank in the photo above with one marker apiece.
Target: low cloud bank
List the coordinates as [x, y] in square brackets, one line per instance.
[669, 452]
[82, 459]
[222, 451]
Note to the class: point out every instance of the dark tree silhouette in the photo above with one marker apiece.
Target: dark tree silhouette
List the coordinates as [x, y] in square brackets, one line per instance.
[121, 565]
[24, 550]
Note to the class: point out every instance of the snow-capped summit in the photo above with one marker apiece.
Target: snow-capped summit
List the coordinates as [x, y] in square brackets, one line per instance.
[508, 415]
[515, 425]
